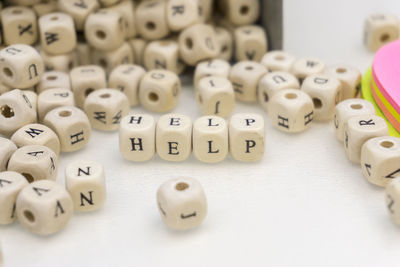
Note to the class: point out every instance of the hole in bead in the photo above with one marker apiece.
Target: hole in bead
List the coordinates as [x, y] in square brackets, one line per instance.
[29, 216]
[341, 70]
[28, 177]
[64, 113]
[181, 186]
[356, 106]
[280, 58]
[153, 97]
[17, 11]
[151, 26]
[88, 91]
[291, 96]
[103, 63]
[54, 18]
[317, 103]
[51, 78]
[7, 72]
[106, 95]
[7, 111]
[101, 34]
[189, 43]
[385, 37]
[244, 10]
[387, 144]
[249, 68]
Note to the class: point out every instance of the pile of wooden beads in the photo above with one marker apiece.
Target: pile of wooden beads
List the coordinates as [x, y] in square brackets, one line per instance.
[380, 29]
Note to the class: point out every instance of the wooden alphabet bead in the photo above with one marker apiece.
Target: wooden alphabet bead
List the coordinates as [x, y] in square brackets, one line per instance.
[15, 111]
[44, 207]
[215, 96]
[11, 183]
[57, 33]
[127, 10]
[225, 40]
[137, 137]
[174, 137]
[250, 43]
[71, 125]
[393, 200]
[7, 148]
[54, 98]
[159, 90]
[36, 134]
[21, 66]
[291, 110]
[210, 139]
[242, 12]
[45, 7]
[19, 25]
[181, 14]
[108, 60]
[349, 76]
[127, 78]
[360, 129]
[53, 79]
[86, 79]
[105, 29]
[78, 10]
[245, 76]
[325, 92]
[34, 162]
[62, 62]
[304, 67]
[214, 67]
[197, 43]
[380, 159]
[182, 203]
[247, 137]
[151, 19]
[105, 109]
[278, 61]
[347, 109]
[85, 182]
[138, 46]
[273, 82]
[380, 29]
[163, 54]
[205, 10]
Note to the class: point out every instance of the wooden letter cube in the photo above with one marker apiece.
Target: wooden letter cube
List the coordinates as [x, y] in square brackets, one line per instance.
[181, 14]
[247, 137]
[7, 148]
[109, 60]
[53, 79]
[61, 62]
[85, 182]
[54, 98]
[250, 43]
[393, 200]
[349, 76]
[304, 67]
[360, 129]
[242, 12]
[210, 139]
[215, 67]
[174, 137]
[278, 61]
[19, 25]
[127, 10]
[78, 10]
[163, 54]
[225, 40]
[182, 203]
[44, 207]
[380, 29]
[151, 19]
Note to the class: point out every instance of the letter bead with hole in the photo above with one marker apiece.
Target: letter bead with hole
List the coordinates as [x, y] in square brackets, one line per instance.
[127, 11]
[54, 98]
[127, 78]
[325, 92]
[393, 200]
[86, 79]
[61, 62]
[71, 125]
[205, 10]
[109, 60]
[214, 67]
[291, 110]
[53, 79]
[347, 109]
[85, 182]
[19, 25]
[105, 108]
[304, 67]
[7, 148]
[247, 137]
[215, 96]
[245, 76]
[36, 134]
[349, 76]
[159, 90]
[44, 7]
[380, 29]
[163, 54]
[44, 207]
[16, 110]
[272, 83]
[278, 61]
[242, 12]
[151, 19]
[137, 137]
[360, 129]
[78, 10]
[57, 33]
[34, 162]
[11, 183]
[197, 43]
[210, 139]
[182, 203]
[174, 137]
[380, 160]
[250, 43]
[181, 14]
[105, 29]
[20, 66]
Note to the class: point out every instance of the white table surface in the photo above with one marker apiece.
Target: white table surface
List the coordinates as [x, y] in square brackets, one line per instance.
[304, 204]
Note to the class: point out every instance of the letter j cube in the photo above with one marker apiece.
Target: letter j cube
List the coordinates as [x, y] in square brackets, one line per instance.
[246, 137]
